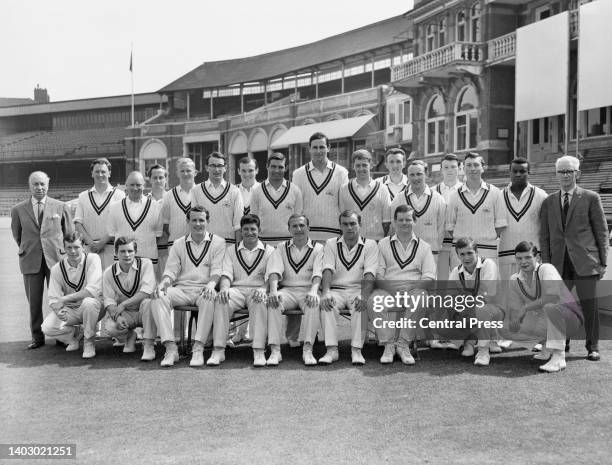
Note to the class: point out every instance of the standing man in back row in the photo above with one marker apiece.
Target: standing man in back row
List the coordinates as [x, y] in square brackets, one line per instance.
[92, 210]
[38, 225]
[574, 238]
[476, 210]
[221, 199]
[396, 181]
[320, 182]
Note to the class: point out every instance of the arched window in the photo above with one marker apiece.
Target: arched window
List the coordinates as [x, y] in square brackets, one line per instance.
[442, 32]
[475, 23]
[461, 27]
[434, 134]
[466, 119]
[430, 39]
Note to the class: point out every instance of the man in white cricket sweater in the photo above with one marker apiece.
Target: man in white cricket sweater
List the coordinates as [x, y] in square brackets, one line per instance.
[367, 197]
[126, 286]
[522, 204]
[275, 200]
[175, 206]
[190, 278]
[221, 199]
[396, 181]
[450, 183]
[320, 182]
[349, 270]
[92, 212]
[476, 210]
[244, 269]
[405, 266]
[75, 297]
[248, 169]
[296, 266]
[137, 216]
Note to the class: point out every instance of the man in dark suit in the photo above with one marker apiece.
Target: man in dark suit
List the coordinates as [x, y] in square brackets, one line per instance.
[38, 225]
[574, 238]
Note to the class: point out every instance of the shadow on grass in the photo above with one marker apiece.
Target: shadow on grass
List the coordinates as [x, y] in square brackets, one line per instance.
[514, 363]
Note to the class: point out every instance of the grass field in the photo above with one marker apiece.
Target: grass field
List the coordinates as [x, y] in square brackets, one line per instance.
[441, 411]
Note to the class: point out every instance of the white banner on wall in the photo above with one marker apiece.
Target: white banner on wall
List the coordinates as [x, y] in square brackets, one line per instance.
[595, 55]
[542, 54]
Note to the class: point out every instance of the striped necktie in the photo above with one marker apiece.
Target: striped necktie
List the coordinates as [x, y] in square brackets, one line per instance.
[566, 204]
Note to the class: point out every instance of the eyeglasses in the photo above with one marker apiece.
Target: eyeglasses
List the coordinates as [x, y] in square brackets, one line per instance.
[566, 172]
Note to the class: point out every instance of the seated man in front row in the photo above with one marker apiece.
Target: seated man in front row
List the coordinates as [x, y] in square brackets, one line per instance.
[192, 272]
[473, 286]
[349, 270]
[540, 305]
[127, 285]
[244, 268]
[296, 264]
[75, 296]
[405, 266]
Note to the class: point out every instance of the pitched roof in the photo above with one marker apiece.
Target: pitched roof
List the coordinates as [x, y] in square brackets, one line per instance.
[222, 73]
[11, 102]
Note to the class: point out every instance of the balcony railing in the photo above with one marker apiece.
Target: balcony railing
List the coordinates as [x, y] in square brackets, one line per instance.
[455, 53]
[501, 48]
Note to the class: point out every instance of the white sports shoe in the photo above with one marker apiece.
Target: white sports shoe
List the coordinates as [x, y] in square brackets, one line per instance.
[216, 358]
[259, 359]
[197, 358]
[275, 358]
[308, 358]
[89, 350]
[388, 354]
[555, 364]
[494, 348]
[468, 349]
[330, 357]
[405, 356]
[357, 357]
[148, 353]
[170, 358]
[130, 343]
[482, 357]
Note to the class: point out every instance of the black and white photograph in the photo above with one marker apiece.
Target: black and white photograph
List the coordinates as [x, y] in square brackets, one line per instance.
[284, 233]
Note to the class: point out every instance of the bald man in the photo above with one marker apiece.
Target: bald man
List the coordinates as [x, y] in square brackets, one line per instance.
[137, 216]
[38, 225]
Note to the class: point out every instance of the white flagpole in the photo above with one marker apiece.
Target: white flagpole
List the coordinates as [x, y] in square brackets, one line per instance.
[132, 75]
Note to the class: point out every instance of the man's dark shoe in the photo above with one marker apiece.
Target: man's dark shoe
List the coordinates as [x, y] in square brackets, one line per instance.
[593, 356]
[35, 345]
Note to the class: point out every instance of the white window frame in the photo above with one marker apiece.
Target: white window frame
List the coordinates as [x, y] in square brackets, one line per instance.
[468, 114]
[475, 19]
[437, 121]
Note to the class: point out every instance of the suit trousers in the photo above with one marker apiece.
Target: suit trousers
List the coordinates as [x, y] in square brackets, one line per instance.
[34, 288]
[586, 288]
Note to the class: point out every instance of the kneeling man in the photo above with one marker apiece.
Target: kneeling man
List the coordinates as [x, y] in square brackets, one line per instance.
[244, 268]
[75, 296]
[349, 270]
[192, 272]
[473, 286]
[296, 265]
[406, 267]
[127, 285]
[540, 305]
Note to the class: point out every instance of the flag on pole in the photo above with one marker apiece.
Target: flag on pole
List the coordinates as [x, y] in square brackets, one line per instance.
[130, 61]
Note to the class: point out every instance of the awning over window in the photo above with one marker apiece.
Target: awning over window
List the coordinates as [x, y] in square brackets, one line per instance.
[337, 129]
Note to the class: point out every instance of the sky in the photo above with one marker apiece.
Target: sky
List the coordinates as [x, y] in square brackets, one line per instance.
[81, 49]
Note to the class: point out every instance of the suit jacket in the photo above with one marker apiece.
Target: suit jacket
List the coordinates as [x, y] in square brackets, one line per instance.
[46, 240]
[585, 233]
